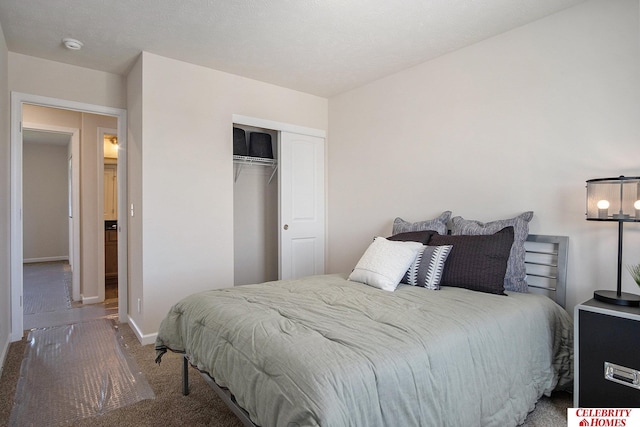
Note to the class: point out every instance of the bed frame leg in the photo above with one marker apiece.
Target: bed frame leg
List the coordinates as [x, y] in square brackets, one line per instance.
[185, 376]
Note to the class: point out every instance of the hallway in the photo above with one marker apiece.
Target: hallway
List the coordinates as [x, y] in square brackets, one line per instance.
[47, 298]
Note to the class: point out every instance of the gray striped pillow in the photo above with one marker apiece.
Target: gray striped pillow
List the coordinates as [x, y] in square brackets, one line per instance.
[426, 270]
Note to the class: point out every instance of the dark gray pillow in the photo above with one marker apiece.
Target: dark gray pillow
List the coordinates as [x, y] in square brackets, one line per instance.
[515, 278]
[413, 236]
[478, 263]
[438, 224]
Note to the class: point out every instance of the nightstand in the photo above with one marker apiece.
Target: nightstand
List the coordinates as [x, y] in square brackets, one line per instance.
[606, 356]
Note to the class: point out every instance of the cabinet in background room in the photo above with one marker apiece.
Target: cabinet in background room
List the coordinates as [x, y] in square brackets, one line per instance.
[110, 257]
[110, 191]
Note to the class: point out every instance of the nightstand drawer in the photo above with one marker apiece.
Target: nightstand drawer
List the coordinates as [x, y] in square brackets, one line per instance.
[605, 338]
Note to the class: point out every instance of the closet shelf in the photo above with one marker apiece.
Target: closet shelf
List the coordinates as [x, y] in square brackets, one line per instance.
[241, 161]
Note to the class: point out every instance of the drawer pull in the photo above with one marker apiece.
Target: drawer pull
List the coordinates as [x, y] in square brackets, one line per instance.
[621, 378]
[622, 375]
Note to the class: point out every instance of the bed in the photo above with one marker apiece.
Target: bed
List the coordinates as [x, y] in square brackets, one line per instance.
[329, 351]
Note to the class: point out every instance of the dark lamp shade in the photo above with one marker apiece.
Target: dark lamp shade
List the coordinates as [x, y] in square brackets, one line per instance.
[613, 199]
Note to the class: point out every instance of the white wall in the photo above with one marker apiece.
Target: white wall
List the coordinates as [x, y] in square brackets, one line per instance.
[134, 191]
[255, 225]
[37, 76]
[513, 123]
[5, 162]
[517, 122]
[45, 202]
[187, 173]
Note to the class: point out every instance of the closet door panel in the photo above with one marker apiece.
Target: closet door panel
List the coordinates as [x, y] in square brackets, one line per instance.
[303, 253]
[301, 223]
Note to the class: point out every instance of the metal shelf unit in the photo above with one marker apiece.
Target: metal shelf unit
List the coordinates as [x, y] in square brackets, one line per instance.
[241, 161]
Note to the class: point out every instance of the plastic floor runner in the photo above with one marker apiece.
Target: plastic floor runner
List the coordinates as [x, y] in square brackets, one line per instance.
[76, 371]
[40, 294]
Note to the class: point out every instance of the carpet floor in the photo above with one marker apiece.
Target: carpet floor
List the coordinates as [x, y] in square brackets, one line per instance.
[200, 408]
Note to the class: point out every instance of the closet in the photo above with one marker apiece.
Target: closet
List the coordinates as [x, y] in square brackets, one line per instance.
[279, 213]
[255, 212]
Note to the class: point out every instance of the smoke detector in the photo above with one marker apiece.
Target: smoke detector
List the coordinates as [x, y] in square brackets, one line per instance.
[72, 44]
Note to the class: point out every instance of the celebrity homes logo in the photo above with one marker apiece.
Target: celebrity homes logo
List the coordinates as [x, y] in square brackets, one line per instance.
[603, 417]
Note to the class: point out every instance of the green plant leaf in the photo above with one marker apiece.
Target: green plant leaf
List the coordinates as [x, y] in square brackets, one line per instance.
[635, 272]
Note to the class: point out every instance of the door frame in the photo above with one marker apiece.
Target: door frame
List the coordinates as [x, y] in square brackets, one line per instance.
[16, 232]
[102, 131]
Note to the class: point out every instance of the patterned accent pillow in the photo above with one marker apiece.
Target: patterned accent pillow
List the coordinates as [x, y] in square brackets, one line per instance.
[515, 278]
[426, 270]
[384, 263]
[476, 262]
[438, 224]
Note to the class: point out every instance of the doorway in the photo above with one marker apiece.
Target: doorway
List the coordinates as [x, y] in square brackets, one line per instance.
[67, 138]
[92, 250]
[108, 158]
[47, 231]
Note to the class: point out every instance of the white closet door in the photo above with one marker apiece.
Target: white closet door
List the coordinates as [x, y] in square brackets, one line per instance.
[301, 178]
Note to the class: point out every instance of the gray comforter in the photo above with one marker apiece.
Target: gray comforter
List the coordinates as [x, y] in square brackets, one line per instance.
[330, 352]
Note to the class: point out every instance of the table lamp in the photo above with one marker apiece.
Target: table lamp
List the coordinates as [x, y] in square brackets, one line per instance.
[615, 199]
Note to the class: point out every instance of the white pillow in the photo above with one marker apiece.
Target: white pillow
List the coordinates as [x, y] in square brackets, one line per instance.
[384, 263]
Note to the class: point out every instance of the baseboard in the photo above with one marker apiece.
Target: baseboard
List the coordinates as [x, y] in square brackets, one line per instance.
[144, 339]
[4, 352]
[45, 259]
[91, 300]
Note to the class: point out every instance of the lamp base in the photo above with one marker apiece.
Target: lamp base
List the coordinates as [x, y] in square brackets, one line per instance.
[612, 297]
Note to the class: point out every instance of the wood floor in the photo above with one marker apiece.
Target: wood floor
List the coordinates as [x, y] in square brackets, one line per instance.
[111, 290]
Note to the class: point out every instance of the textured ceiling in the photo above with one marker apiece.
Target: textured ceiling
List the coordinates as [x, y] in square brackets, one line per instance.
[323, 47]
